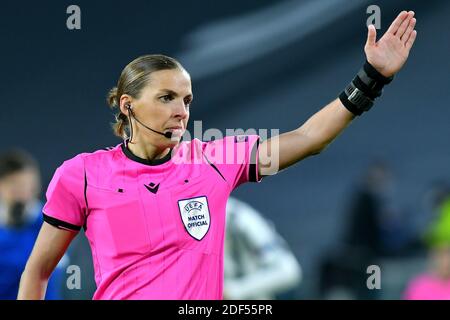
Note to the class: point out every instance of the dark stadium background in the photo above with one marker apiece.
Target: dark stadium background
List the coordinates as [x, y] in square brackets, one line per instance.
[54, 82]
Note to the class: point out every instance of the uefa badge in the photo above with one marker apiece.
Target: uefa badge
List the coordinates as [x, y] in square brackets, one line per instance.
[195, 215]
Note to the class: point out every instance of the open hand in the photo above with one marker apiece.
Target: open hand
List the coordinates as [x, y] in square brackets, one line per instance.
[389, 54]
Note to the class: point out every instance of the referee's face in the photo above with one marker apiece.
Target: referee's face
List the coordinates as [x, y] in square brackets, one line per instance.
[164, 106]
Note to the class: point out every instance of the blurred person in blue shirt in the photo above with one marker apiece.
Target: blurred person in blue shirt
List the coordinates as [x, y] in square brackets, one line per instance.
[20, 221]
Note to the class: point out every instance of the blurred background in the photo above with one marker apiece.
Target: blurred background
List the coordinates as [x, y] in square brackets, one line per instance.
[376, 196]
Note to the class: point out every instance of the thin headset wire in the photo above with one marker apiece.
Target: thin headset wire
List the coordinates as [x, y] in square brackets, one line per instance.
[131, 125]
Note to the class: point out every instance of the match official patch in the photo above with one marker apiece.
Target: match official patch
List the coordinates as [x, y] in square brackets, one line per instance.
[195, 215]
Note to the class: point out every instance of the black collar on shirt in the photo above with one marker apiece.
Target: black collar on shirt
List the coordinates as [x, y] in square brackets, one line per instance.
[133, 157]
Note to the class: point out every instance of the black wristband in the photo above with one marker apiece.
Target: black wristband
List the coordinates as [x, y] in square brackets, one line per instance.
[371, 81]
[375, 75]
[367, 85]
[355, 100]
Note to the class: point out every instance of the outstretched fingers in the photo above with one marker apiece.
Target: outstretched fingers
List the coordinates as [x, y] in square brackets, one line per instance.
[397, 22]
[404, 26]
[409, 30]
[409, 43]
[371, 36]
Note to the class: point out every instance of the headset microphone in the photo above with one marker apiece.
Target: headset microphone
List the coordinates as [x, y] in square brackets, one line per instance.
[168, 134]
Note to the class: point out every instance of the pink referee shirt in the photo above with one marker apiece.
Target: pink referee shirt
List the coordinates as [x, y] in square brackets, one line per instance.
[155, 228]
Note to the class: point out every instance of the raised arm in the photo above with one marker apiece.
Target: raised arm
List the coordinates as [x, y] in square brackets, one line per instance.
[50, 246]
[385, 58]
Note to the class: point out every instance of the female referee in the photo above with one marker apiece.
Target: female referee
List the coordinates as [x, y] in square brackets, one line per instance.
[153, 207]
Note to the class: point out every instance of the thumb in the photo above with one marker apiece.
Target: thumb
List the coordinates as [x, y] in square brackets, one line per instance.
[371, 35]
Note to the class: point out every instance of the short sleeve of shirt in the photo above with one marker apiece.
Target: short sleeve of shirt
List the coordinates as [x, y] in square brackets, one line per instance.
[65, 207]
[236, 158]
